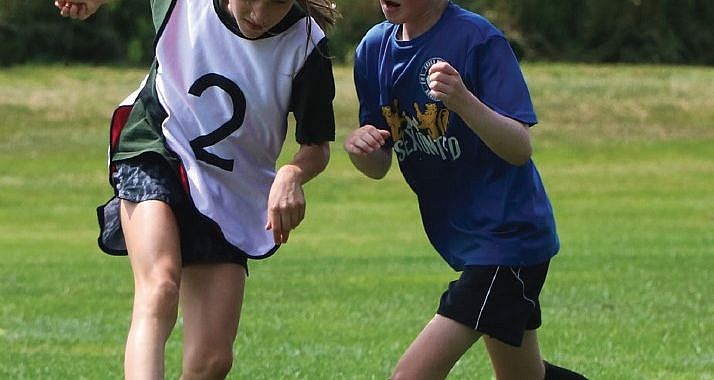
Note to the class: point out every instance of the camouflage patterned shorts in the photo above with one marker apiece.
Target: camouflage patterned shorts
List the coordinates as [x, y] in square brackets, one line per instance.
[139, 182]
[149, 177]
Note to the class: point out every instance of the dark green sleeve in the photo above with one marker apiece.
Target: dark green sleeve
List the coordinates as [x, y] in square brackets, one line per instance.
[159, 10]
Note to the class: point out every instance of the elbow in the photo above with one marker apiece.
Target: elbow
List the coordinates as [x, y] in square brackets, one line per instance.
[374, 167]
[373, 171]
[522, 149]
[318, 155]
[518, 162]
[521, 158]
[377, 175]
[324, 157]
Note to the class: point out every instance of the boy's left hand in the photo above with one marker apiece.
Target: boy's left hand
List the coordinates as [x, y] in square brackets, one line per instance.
[447, 86]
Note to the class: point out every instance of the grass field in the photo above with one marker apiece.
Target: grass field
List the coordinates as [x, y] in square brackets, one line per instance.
[626, 152]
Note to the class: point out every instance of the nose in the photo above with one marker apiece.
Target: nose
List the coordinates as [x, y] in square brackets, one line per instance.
[257, 12]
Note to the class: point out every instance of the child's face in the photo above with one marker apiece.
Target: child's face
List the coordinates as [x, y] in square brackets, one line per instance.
[255, 17]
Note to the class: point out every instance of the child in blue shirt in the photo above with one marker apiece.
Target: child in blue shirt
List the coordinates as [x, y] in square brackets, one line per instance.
[440, 87]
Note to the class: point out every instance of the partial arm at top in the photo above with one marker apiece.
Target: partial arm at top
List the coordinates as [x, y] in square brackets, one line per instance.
[78, 9]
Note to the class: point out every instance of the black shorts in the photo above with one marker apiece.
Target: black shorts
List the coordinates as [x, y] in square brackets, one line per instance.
[498, 301]
[149, 177]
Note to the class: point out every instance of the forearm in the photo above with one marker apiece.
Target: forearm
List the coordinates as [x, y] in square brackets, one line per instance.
[506, 137]
[308, 162]
[374, 165]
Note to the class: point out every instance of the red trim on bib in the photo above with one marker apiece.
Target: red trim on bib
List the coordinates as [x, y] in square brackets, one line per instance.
[119, 119]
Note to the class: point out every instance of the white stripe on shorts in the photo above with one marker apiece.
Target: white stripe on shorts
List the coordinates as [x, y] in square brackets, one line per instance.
[483, 306]
[523, 285]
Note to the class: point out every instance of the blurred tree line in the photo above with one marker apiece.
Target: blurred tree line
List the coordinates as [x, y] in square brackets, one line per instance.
[651, 31]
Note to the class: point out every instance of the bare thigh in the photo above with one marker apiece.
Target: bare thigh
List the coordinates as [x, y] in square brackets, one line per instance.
[152, 239]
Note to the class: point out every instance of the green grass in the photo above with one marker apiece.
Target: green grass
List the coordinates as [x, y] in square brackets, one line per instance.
[626, 153]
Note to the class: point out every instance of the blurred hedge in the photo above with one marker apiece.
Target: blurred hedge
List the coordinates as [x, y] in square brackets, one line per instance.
[120, 32]
[652, 31]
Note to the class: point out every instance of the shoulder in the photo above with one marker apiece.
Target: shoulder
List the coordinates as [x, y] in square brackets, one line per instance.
[464, 22]
[374, 44]
[377, 34]
[379, 30]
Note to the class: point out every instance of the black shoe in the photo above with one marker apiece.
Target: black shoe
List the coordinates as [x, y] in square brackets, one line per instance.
[553, 372]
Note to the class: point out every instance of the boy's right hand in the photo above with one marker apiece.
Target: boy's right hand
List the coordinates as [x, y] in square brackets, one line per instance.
[366, 140]
[78, 9]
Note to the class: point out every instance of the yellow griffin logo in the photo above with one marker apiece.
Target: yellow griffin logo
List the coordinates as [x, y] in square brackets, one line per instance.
[394, 121]
[432, 122]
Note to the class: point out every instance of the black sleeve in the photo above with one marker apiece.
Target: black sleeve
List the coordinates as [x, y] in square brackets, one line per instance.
[311, 99]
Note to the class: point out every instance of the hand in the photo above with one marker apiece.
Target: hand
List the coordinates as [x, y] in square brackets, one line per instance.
[78, 9]
[286, 204]
[366, 140]
[447, 86]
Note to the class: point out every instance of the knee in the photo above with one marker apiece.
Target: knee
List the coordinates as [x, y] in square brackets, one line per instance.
[158, 298]
[208, 365]
[402, 373]
[398, 375]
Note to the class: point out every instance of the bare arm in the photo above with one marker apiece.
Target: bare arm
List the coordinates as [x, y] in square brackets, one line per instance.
[365, 147]
[286, 201]
[506, 137]
[78, 9]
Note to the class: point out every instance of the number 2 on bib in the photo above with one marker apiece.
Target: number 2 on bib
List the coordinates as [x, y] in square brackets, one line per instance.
[200, 143]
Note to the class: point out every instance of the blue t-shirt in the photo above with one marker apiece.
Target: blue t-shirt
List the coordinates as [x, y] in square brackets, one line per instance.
[477, 209]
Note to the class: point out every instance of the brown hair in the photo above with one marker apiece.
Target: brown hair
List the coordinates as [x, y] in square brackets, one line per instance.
[324, 12]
